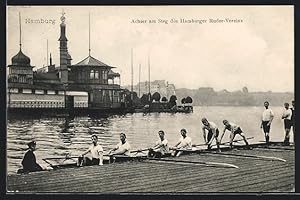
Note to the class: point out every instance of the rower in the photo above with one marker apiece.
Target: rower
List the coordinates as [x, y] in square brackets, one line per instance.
[29, 161]
[234, 129]
[161, 148]
[287, 117]
[184, 143]
[96, 151]
[122, 148]
[213, 133]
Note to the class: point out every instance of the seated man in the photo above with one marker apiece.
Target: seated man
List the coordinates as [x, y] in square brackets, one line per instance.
[184, 143]
[161, 147]
[29, 161]
[96, 151]
[234, 129]
[122, 148]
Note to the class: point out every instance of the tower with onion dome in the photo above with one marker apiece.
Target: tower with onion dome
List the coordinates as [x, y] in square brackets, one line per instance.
[20, 71]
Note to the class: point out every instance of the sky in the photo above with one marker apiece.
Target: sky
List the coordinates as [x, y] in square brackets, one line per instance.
[256, 51]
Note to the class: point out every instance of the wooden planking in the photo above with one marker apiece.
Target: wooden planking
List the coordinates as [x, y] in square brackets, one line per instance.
[253, 175]
[206, 180]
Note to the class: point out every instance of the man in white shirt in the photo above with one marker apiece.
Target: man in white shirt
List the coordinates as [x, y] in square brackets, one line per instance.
[161, 147]
[184, 143]
[287, 120]
[122, 148]
[267, 118]
[96, 152]
[213, 133]
[234, 130]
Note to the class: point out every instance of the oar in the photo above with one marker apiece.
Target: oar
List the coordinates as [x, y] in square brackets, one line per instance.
[48, 163]
[251, 156]
[274, 148]
[139, 150]
[212, 164]
[279, 143]
[249, 138]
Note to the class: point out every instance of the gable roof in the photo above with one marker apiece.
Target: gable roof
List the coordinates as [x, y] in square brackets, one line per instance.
[91, 61]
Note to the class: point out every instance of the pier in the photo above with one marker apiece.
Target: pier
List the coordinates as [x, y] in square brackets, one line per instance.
[253, 175]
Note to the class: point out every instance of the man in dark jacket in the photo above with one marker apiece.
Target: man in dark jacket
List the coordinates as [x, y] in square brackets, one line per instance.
[29, 160]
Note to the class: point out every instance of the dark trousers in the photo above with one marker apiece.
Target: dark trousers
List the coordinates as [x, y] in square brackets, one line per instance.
[154, 154]
[86, 161]
[209, 137]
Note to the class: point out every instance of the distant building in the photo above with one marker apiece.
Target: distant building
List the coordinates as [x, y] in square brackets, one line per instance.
[161, 86]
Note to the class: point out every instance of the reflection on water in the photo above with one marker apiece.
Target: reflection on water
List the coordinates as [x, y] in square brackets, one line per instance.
[60, 136]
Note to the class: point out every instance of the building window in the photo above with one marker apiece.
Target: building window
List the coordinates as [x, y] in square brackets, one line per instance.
[104, 76]
[96, 74]
[27, 91]
[92, 74]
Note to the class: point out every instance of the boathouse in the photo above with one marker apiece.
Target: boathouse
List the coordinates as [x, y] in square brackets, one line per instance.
[88, 84]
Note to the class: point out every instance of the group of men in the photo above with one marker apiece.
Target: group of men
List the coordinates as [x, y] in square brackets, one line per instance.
[161, 147]
[210, 133]
[288, 117]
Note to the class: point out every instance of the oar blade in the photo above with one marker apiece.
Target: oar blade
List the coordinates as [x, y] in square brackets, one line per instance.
[223, 164]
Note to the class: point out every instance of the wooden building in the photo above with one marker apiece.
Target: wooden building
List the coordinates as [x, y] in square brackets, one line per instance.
[88, 84]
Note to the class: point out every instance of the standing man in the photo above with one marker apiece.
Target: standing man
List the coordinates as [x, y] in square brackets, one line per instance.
[122, 148]
[161, 147]
[287, 120]
[184, 143]
[267, 117]
[29, 161]
[293, 119]
[213, 133]
[96, 151]
[234, 129]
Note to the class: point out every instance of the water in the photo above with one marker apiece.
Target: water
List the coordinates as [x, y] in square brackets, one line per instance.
[57, 137]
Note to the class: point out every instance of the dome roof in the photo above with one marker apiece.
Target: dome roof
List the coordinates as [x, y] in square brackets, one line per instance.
[20, 59]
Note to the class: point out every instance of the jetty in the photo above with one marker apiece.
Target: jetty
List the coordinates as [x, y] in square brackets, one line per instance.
[260, 169]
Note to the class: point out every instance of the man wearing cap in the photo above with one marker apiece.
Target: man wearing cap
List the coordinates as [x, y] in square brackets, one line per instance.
[234, 129]
[96, 151]
[161, 147]
[122, 148]
[29, 161]
[213, 133]
[184, 143]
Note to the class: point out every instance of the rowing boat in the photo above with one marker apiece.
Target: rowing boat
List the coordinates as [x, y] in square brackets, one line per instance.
[71, 161]
[137, 155]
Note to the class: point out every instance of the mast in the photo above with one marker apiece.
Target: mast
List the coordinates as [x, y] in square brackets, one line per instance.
[149, 75]
[131, 70]
[20, 39]
[140, 80]
[50, 60]
[47, 54]
[89, 34]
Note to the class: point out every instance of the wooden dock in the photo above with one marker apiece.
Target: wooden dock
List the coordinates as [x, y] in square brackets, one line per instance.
[253, 175]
